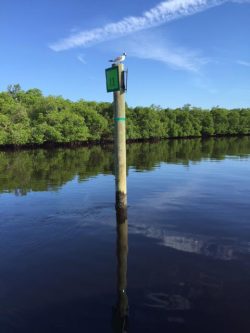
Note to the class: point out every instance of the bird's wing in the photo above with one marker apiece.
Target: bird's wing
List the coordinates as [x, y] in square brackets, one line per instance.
[118, 58]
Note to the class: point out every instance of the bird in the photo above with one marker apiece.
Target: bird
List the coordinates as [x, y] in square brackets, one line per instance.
[120, 58]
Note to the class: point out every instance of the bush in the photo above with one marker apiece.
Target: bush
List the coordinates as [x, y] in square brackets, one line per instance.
[30, 117]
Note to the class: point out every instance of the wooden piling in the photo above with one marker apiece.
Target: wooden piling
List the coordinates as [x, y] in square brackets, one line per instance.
[120, 141]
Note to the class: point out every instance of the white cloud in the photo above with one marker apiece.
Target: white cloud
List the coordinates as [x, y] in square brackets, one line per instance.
[243, 63]
[80, 57]
[241, 1]
[164, 12]
[155, 47]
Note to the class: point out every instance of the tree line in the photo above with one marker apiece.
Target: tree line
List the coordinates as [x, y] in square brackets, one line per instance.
[29, 117]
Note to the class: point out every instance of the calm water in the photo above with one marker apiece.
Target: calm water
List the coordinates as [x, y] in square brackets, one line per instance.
[189, 238]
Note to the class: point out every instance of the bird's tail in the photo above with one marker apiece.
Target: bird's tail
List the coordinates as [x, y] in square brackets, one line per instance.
[111, 60]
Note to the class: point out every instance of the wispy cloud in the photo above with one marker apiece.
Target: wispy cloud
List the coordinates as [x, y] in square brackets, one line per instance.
[156, 47]
[164, 12]
[243, 63]
[81, 58]
[241, 1]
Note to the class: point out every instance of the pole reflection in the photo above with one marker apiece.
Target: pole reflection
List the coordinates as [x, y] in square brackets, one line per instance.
[120, 310]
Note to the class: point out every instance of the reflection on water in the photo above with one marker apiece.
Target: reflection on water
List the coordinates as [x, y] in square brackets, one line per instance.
[42, 170]
[120, 311]
[64, 260]
[218, 248]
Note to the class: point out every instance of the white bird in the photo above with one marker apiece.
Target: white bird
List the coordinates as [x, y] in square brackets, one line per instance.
[120, 58]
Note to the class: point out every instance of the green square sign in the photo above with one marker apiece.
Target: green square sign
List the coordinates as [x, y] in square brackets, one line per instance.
[112, 79]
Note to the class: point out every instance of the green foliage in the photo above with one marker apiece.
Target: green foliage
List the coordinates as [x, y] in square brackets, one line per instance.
[29, 117]
[220, 121]
[19, 134]
[14, 90]
[4, 125]
[233, 122]
[207, 124]
[148, 124]
[96, 124]
[244, 125]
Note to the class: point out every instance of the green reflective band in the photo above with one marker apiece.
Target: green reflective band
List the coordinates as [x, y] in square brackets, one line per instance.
[120, 119]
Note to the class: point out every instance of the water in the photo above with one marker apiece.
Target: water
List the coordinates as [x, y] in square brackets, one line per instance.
[189, 238]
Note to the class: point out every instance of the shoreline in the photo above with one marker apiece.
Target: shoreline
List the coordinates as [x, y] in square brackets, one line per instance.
[103, 143]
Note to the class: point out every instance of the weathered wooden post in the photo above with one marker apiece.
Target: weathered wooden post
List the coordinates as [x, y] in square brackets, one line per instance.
[120, 142]
[115, 79]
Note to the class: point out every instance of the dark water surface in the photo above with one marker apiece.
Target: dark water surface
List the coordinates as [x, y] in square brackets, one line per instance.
[189, 238]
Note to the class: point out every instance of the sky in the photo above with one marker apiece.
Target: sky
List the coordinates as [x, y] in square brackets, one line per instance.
[178, 51]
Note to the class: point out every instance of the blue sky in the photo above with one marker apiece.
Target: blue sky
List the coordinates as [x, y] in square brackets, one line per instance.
[179, 51]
